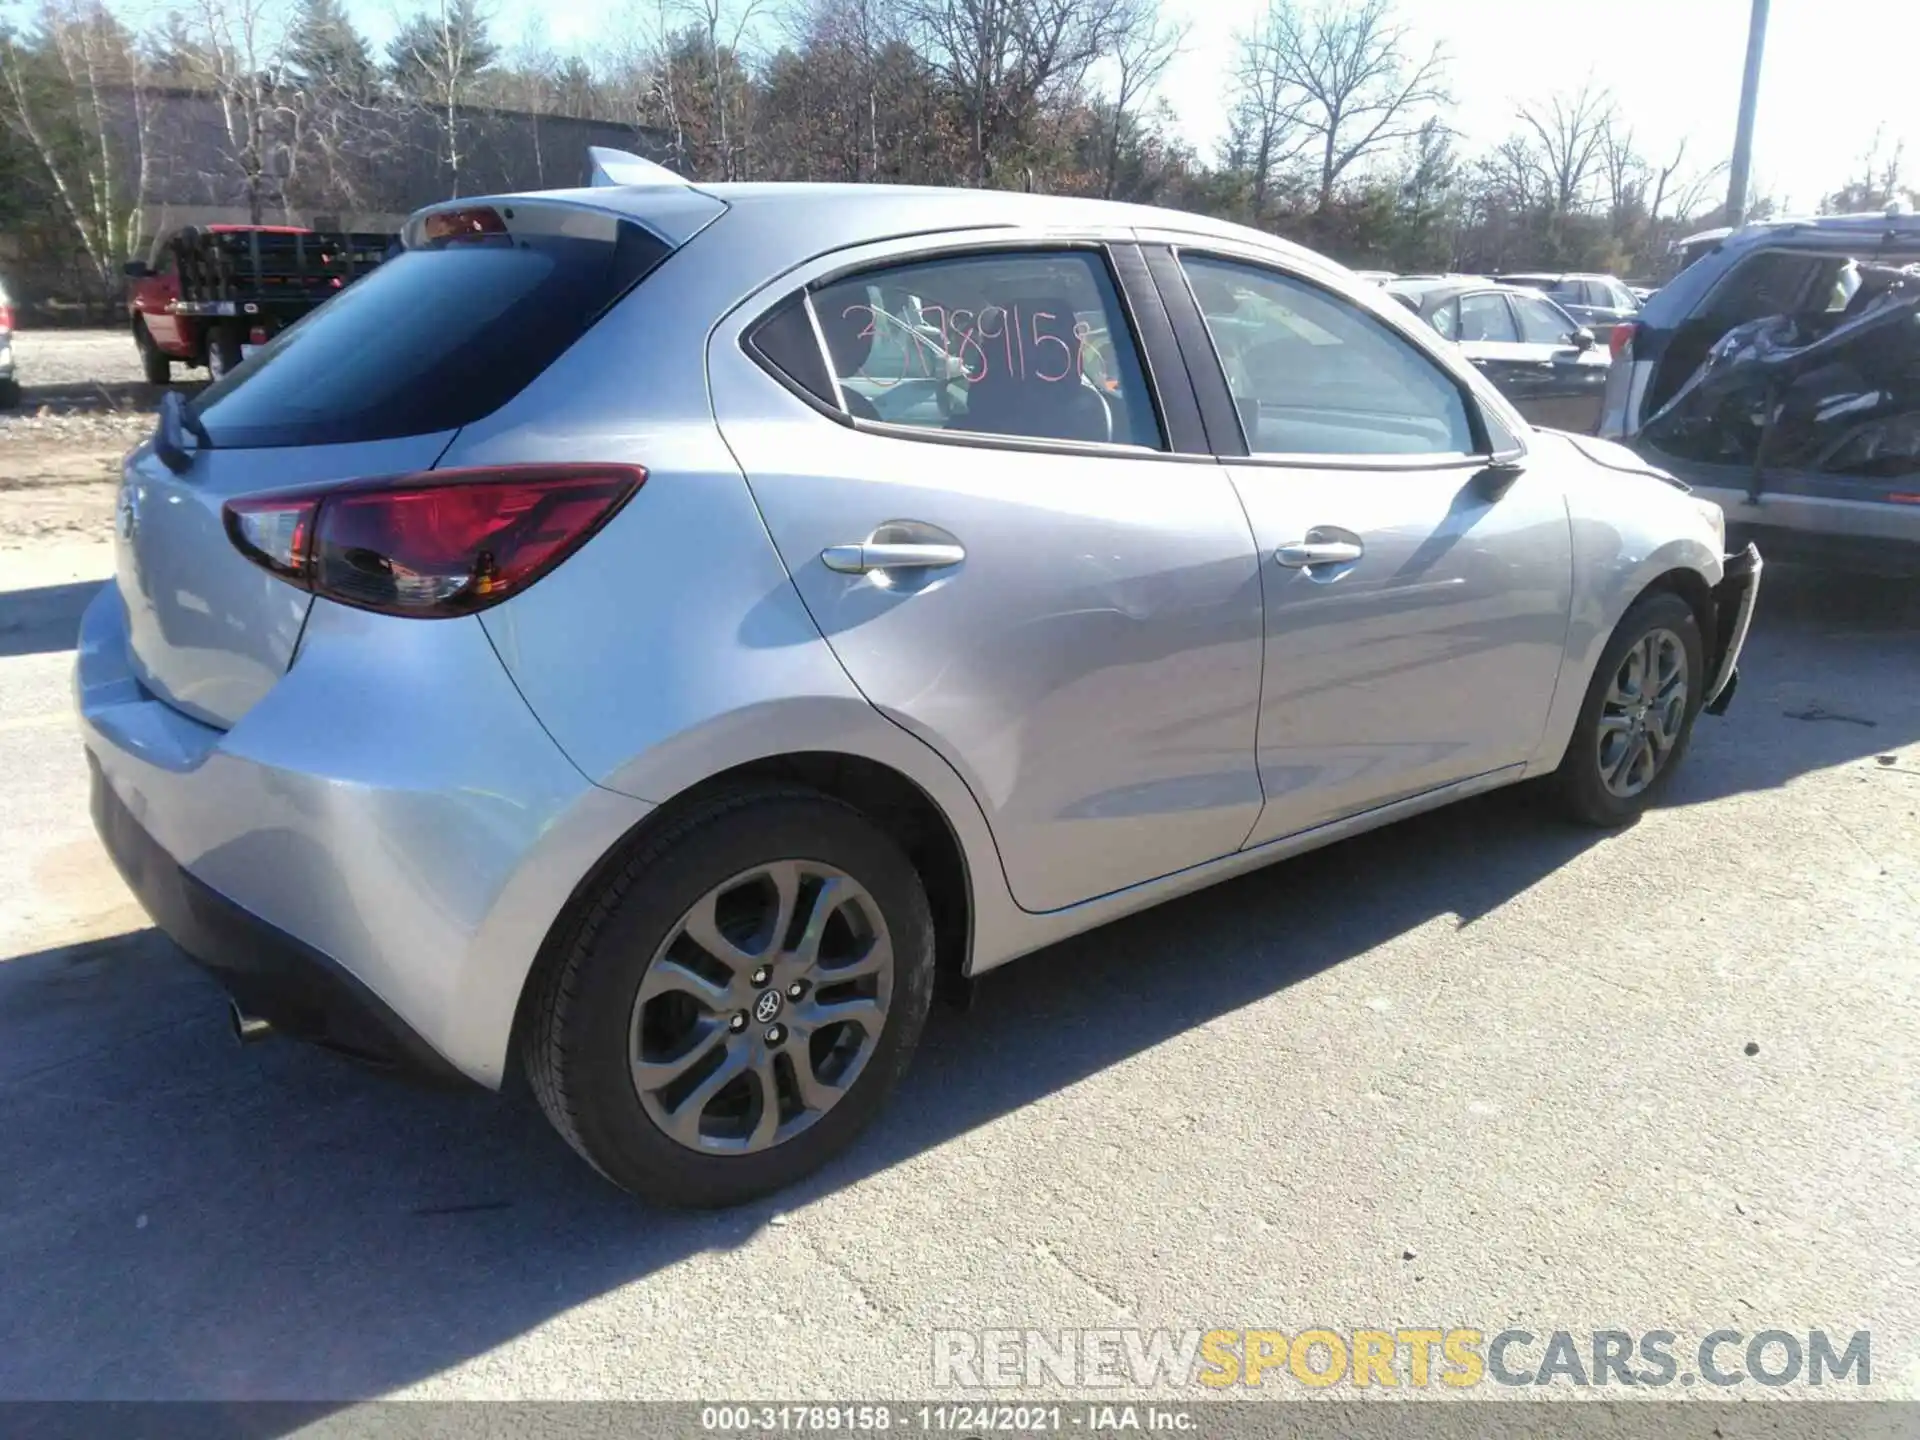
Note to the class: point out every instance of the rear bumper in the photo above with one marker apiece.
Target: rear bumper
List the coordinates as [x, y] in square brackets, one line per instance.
[1734, 599]
[373, 854]
[268, 972]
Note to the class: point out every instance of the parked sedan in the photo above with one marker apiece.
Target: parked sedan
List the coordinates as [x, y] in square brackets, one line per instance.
[603, 683]
[1598, 302]
[1539, 356]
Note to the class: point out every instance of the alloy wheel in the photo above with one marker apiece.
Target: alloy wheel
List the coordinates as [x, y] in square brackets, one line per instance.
[1644, 713]
[762, 1007]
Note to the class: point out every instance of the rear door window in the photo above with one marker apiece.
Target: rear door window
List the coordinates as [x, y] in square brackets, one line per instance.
[435, 338]
[1032, 345]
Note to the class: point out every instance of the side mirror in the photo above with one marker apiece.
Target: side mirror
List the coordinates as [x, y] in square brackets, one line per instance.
[1497, 477]
[1582, 340]
[137, 270]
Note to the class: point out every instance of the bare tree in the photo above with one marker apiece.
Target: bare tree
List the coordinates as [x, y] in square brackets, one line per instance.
[1144, 45]
[1266, 134]
[1359, 86]
[723, 26]
[235, 51]
[1005, 58]
[437, 56]
[1623, 173]
[644, 83]
[1570, 133]
[76, 93]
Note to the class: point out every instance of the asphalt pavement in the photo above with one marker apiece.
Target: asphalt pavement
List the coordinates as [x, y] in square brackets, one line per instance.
[1480, 1070]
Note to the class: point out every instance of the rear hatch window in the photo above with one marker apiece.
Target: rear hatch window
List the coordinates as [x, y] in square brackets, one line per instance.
[438, 337]
[375, 382]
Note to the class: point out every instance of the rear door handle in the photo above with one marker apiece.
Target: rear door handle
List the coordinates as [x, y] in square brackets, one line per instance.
[862, 558]
[1318, 552]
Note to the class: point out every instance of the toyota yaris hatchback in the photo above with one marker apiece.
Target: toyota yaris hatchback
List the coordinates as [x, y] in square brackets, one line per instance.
[645, 635]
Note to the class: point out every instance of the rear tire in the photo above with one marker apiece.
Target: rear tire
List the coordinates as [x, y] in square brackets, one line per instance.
[1633, 730]
[9, 393]
[154, 363]
[620, 1070]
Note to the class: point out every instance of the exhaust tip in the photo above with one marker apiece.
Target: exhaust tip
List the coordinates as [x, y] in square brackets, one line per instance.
[247, 1029]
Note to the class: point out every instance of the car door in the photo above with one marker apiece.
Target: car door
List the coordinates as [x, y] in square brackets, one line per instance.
[154, 297]
[1017, 566]
[1567, 378]
[1489, 336]
[1416, 601]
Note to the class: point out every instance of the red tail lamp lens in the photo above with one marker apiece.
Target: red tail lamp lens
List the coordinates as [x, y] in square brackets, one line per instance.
[436, 544]
[1621, 338]
[464, 224]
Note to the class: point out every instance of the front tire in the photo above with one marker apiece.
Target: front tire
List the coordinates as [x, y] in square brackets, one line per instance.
[1637, 718]
[738, 1000]
[154, 362]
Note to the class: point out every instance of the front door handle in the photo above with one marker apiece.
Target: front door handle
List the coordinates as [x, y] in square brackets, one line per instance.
[867, 556]
[1304, 553]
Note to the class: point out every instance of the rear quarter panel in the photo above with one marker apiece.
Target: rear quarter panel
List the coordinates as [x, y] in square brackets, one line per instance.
[674, 647]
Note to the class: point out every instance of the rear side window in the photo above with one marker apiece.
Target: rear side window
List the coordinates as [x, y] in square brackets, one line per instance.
[1030, 345]
[1774, 282]
[435, 338]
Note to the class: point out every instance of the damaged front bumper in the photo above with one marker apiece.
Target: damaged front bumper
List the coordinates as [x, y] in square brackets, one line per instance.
[1733, 600]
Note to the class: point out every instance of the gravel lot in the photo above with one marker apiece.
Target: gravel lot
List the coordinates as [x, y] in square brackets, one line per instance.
[84, 404]
[1478, 1070]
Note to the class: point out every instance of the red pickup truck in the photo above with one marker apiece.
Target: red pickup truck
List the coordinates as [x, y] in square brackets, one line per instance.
[210, 294]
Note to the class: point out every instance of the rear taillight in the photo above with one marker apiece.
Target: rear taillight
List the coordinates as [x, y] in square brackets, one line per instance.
[6, 319]
[472, 224]
[443, 542]
[1621, 339]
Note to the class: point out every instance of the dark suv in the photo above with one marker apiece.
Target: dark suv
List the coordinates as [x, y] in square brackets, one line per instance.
[1780, 375]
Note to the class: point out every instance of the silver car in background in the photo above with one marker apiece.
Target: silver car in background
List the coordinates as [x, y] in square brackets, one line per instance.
[646, 635]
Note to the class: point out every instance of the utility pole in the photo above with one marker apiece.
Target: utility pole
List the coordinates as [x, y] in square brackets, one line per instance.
[1749, 102]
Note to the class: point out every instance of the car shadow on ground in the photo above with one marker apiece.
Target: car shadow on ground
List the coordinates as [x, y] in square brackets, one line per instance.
[1830, 676]
[180, 1217]
[185, 1217]
[43, 620]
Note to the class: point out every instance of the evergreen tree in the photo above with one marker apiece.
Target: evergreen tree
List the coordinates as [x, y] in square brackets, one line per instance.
[324, 49]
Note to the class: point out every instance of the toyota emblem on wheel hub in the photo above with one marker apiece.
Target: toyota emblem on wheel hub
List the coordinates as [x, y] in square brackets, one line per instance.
[767, 1006]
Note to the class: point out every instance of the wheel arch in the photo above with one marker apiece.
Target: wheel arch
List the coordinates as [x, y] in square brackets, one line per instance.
[1691, 586]
[1684, 568]
[893, 800]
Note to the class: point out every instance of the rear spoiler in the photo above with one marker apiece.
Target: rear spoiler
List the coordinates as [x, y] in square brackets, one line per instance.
[618, 167]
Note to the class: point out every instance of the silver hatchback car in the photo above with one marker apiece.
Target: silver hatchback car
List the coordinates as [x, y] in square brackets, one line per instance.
[646, 635]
